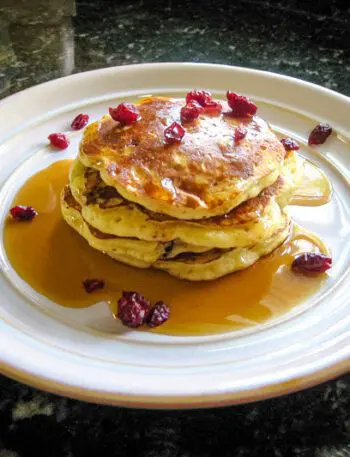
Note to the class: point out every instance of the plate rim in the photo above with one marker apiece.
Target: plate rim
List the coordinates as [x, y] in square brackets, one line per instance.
[234, 397]
[270, 391]
[60, 81]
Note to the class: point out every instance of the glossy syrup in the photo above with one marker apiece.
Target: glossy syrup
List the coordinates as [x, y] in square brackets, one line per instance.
[54, 260]
[314, 190]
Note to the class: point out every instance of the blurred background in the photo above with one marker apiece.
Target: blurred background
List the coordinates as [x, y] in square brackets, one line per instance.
[42, 40]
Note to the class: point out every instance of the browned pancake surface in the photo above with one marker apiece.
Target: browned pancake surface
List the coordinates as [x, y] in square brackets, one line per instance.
[97, 192]
[206, 171]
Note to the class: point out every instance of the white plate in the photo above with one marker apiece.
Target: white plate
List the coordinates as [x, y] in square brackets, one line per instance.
[77, 352]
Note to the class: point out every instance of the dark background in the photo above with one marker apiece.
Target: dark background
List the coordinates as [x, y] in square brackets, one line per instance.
[42, 40]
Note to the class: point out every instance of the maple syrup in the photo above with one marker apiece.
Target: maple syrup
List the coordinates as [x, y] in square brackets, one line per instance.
[314, 190]
[53, 259]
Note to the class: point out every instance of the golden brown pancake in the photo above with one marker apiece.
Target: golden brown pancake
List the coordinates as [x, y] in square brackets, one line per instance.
[147, 252]
[217, 263]
[98, 193]
[252, 221]
[205, 175]
[187, 262]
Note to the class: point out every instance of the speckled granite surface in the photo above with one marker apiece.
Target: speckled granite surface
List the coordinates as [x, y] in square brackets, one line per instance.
[42, 40]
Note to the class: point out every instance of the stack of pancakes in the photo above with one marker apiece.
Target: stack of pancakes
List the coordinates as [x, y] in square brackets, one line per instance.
[199, 209]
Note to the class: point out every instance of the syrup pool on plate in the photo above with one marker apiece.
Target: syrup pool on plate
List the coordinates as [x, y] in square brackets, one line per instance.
[314, 189]
[54, 260]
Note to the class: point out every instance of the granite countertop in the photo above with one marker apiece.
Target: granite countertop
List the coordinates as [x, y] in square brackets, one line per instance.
[42, 40]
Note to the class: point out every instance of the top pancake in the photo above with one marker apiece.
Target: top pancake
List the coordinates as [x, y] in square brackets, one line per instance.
[250, 222]
[203, 176]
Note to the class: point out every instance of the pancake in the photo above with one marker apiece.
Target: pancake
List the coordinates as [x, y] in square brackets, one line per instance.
[147, 252]
[205, 175]
[251, 222]
[179, 261]
[217, 263]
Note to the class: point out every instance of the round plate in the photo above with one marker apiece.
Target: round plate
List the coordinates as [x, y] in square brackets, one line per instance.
[83, 353]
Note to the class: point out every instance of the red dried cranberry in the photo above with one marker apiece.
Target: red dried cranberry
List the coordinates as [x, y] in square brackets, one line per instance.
[23, 213]
[91, 285]
[311, 263]
[80, 121]
[204, 99]
[213, 107]
[319, 134]
[159, 314]
[289, 144]
[59, 140]
[190, 111]
[240, 133]
[174, 133]
[125, 113]
[200, 96]
[240, 106]
[133, 309]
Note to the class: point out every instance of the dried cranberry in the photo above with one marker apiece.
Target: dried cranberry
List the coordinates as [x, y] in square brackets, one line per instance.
[289, 144]
[200, 96]
[319, 134]
[91, 285]
[213, 107]
[311, 263]
[133, 309]
[125, 113]
[159, 314]
[204, 99]
[190, 111]
[59, 140]
[80, 121]
[240, 106]
[23, 213]
[174, 133]
[240, 133]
